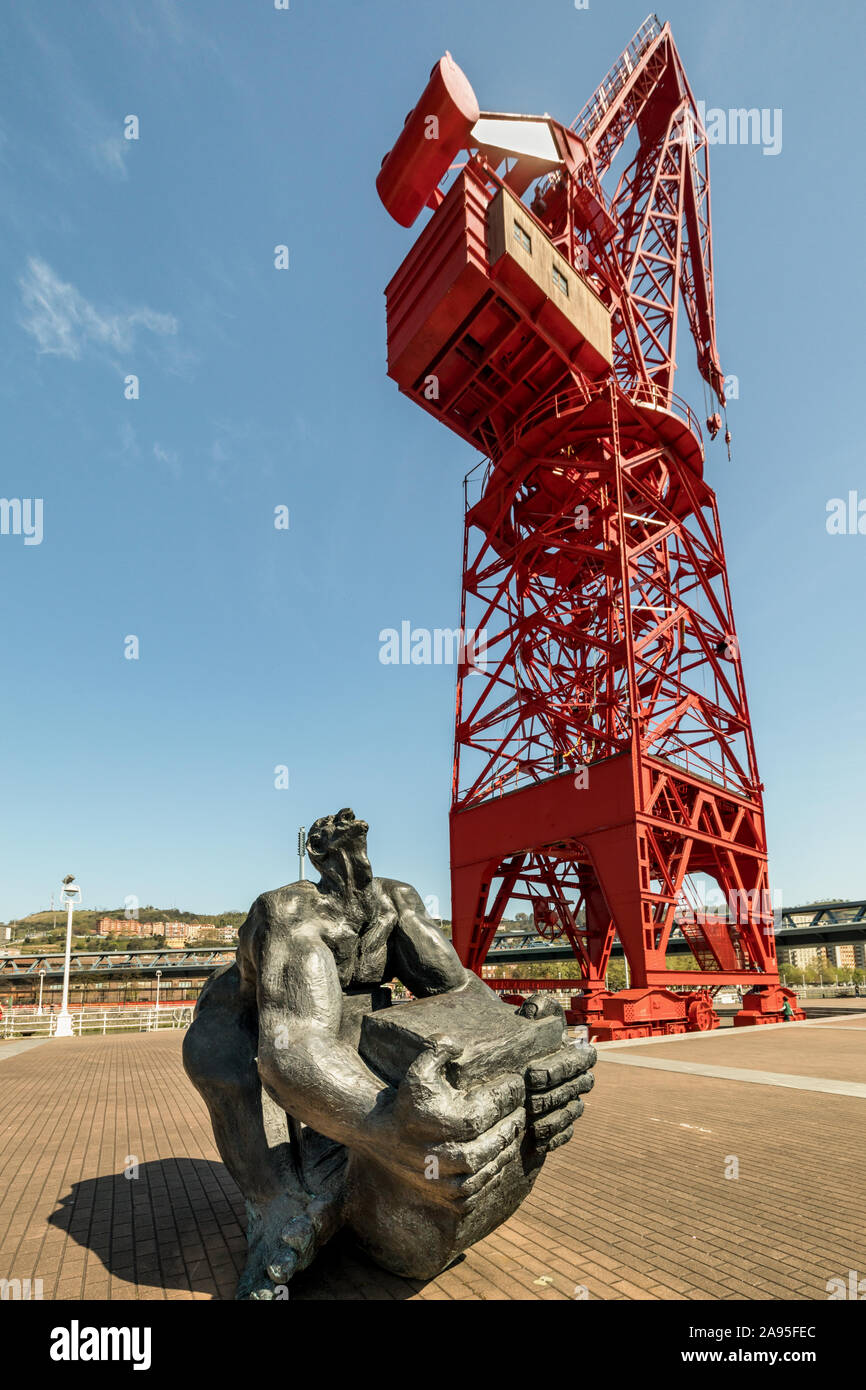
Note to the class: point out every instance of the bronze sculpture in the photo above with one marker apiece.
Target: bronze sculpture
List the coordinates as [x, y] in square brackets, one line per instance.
[421, 1126]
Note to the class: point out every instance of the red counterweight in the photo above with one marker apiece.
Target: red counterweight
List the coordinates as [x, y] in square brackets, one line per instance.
[436, 130]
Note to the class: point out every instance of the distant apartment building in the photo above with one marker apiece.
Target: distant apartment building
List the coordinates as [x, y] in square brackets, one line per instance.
[202, 931]
[850, 956]
[175, 933]
[801, 957]
[122, 926]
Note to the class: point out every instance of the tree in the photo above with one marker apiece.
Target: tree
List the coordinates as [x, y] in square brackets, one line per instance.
[616, 977]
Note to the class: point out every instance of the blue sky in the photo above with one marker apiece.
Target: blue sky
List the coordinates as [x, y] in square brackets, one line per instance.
[261, 388]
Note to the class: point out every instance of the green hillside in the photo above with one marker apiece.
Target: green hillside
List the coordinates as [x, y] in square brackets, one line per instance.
[38, 925]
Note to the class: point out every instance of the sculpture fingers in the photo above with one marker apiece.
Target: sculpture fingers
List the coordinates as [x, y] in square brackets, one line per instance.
[560, 1066]
[473, 1183]
[474, 1155]
[425, 1090]
[543, 1102]
[469, 1201]
[464, 1190]
[546, 1128]
[486, 1105]
[541, 1005]
[562, 1138]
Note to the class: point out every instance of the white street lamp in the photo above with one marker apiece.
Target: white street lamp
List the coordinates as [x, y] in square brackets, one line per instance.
[302, 848]
[158, 978]
[41, 982]
[70, 894]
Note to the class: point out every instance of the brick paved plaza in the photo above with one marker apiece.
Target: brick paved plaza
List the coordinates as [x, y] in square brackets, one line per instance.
[637, 1207]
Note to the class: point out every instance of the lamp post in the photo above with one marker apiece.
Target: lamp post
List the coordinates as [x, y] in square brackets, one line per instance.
[70, 894]
[41, 981]
[302, 848]
[158, 978]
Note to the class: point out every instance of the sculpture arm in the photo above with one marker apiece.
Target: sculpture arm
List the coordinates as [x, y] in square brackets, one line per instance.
[302, 1062]
[423, 958]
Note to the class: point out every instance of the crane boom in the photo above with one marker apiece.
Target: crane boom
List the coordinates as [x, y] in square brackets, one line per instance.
[655, 245]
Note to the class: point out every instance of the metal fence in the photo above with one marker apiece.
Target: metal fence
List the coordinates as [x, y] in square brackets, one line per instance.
[30, 1023]
[836, 991]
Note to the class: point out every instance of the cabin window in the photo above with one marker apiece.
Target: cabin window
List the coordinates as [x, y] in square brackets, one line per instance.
[559, 280]
[522, 237]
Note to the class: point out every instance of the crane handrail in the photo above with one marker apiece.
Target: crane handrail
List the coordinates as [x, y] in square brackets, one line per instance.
[619, 74]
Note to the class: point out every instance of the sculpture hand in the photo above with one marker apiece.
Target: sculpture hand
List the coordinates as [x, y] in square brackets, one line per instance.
[452, 1143]
[554, 1087]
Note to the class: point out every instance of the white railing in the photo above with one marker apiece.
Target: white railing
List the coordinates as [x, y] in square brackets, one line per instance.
[30, 1023]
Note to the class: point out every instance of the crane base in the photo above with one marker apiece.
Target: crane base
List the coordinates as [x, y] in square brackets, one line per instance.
[646, 1013]
[768, 1006]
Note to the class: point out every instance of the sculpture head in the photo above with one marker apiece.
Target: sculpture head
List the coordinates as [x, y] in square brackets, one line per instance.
[337, 846]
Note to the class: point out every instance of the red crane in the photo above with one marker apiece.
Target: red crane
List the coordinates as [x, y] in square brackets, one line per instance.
[604, 766]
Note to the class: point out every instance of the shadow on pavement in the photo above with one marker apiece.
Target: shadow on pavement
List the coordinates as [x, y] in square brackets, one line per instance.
[179, 1224]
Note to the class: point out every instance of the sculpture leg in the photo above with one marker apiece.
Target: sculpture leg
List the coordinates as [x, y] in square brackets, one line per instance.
[292, 1179]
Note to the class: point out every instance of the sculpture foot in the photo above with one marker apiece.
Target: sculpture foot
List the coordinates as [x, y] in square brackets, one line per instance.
[284, 1237]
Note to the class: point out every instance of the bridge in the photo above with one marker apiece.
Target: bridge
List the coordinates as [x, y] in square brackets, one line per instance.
[817, 924]
[180, 964]
[823, 924]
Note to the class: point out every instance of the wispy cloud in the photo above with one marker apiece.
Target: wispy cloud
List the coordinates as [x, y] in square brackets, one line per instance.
[109, 152]
[169, 457]
[129, 451]
[63, 322]
[95, 130]
[164, 23]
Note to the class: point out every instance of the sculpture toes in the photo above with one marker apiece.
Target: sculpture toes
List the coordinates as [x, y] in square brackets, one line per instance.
[260, 1295]
[298, 1232]
[281, 1270]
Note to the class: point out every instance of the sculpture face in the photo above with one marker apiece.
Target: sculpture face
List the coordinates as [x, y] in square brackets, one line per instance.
[337, 846]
